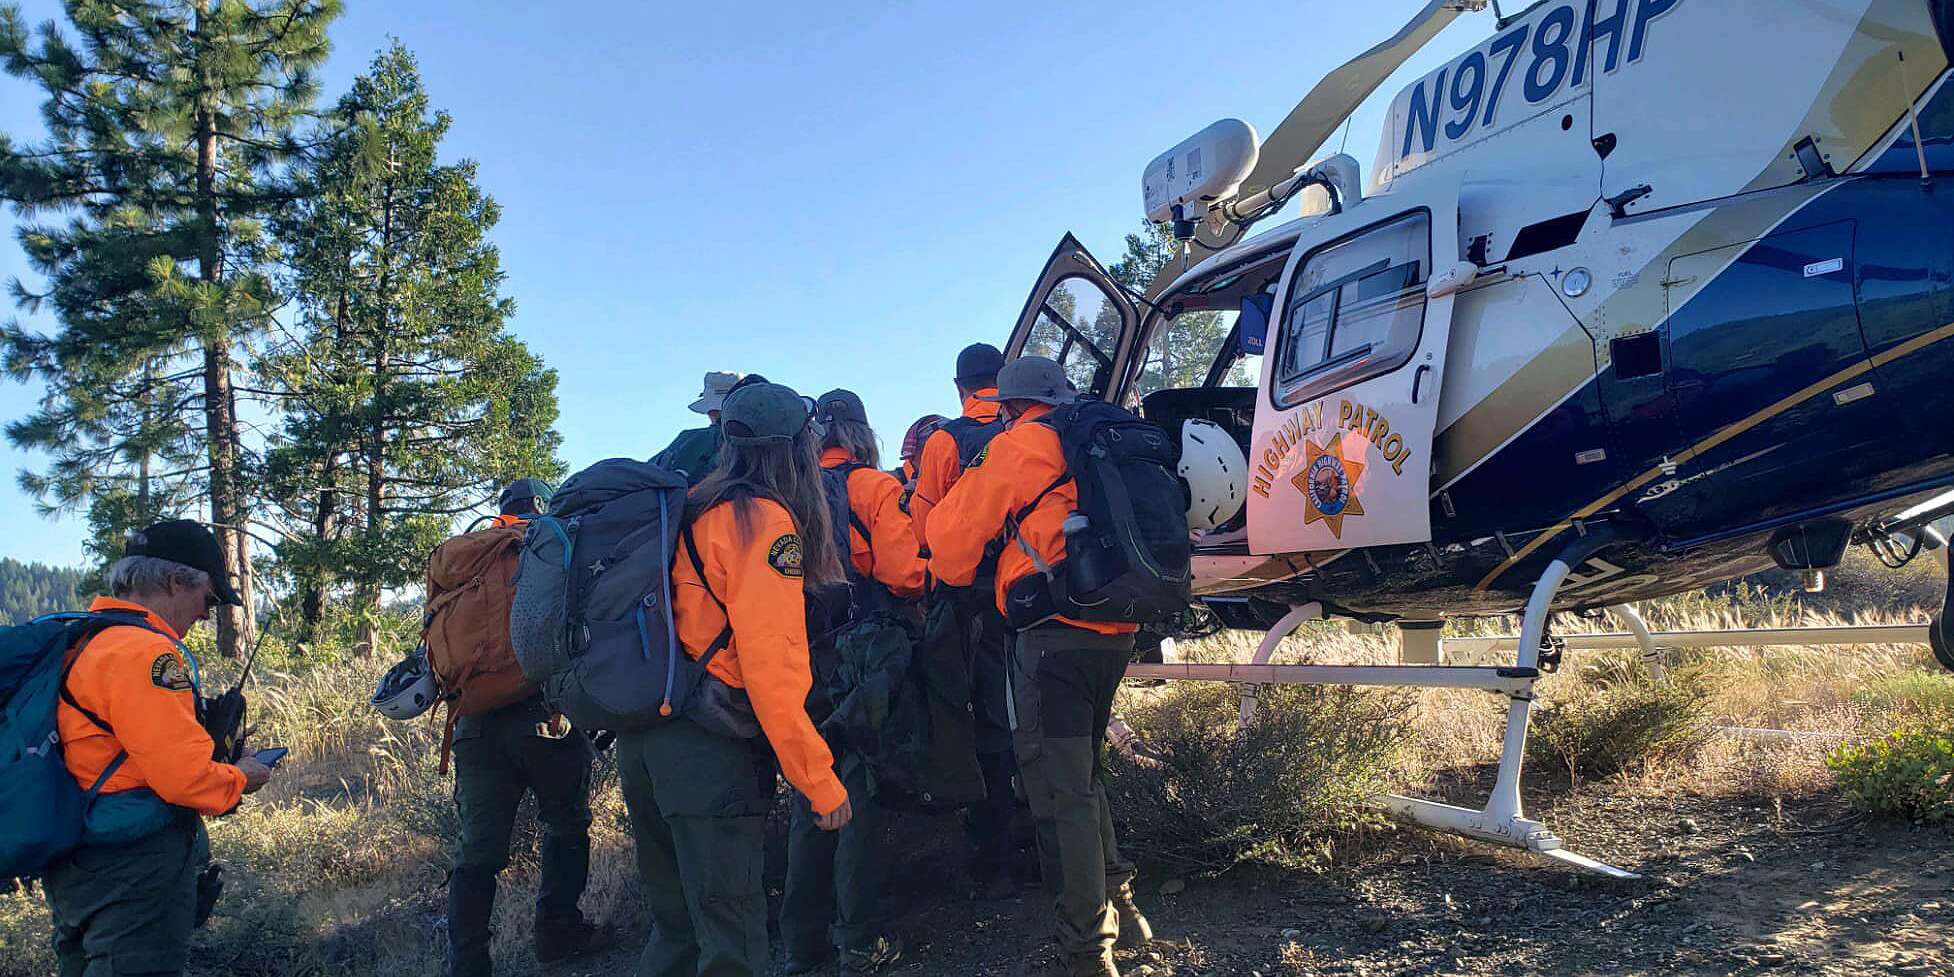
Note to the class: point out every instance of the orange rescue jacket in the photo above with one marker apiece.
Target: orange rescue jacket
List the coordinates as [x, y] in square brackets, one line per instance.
[759, 578]
[1018, 465]
[891, 554]
[938, 467]
[138, 683]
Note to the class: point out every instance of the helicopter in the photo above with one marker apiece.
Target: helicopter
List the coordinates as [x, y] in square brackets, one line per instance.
[1639, 296]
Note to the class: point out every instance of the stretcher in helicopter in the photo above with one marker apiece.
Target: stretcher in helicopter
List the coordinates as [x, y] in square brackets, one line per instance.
[1640, 296]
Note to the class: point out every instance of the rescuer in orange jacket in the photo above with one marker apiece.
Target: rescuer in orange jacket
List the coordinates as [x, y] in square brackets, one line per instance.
[891, 554]
[134, 891]
[831, 901]
[954, 442]
[1063, 673]
[912, 452]
[698, 797]
[968, 614]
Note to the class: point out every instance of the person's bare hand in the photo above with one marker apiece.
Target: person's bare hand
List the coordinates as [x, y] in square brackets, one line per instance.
[836, 819]
[256, 774]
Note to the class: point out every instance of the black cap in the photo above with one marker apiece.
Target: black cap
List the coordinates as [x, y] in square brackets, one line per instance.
[840, 405]
[523, 496]
[979, 361]
[751, 379]
[185, 541]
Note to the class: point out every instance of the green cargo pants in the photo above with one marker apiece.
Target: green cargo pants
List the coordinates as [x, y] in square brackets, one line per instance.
[698, 803]
[128, 909]
[1062, 684]
[835, 879]
[499, 757]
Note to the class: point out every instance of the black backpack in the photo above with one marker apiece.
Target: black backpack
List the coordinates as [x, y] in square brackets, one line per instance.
[877, 694]
[1127, 554]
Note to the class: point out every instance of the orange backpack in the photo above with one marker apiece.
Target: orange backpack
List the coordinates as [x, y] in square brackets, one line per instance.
[471, 580]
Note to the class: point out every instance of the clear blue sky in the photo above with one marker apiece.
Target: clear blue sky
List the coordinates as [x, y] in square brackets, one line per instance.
[829, 194]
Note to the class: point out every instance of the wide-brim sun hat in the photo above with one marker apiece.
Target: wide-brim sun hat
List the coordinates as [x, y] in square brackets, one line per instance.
[1033, 378]
[712, 393]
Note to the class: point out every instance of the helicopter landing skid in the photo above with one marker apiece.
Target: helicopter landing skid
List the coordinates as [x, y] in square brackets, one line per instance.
[1513, 832]
[1503, 821]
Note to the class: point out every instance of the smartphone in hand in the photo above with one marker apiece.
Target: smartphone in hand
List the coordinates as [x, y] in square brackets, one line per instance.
[270, 757]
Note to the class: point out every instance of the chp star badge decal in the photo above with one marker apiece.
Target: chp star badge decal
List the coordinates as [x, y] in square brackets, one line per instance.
[1328, 482]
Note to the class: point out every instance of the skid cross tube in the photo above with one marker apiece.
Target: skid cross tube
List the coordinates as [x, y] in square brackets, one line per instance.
[1856, 634]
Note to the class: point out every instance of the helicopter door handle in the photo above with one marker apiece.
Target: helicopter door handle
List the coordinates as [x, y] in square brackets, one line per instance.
[1418, 381]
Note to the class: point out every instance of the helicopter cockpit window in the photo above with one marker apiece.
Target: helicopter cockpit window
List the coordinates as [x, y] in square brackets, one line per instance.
[1079, 327]
[1213, 334]
[1356, 309]
[1184, 350]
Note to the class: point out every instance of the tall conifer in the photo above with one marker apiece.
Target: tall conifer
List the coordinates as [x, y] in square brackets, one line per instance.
[407, 401]
[168, 123]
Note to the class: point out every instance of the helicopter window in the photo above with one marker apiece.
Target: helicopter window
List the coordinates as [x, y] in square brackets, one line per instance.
[1078, 326]
[1356, 311]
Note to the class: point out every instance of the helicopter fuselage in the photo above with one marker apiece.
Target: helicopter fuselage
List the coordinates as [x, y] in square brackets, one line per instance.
[1616, 273]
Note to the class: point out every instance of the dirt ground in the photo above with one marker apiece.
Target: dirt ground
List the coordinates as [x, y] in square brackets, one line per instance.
[1729, 887]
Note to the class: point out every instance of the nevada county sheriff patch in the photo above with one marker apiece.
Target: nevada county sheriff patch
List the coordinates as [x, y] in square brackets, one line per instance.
[167, 672]
[785, 555]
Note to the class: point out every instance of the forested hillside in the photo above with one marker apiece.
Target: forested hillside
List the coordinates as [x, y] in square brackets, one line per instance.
[31, 589]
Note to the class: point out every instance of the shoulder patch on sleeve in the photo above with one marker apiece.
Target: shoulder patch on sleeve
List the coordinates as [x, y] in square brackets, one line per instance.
[785, 555]
[167, 672]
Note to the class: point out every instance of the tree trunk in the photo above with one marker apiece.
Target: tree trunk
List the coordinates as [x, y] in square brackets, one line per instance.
[313, 608]
[234, 624]
[376, 462]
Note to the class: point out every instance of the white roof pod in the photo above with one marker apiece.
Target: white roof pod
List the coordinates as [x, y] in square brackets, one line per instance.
[1204, 169]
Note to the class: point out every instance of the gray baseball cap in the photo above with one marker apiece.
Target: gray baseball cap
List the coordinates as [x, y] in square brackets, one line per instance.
[764, 413]
[1033, 378]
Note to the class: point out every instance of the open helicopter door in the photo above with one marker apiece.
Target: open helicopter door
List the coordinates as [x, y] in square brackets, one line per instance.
[1348, 403]
[1078, 316]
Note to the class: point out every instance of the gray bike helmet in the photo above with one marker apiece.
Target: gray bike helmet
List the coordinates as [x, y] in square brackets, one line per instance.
[408, 689]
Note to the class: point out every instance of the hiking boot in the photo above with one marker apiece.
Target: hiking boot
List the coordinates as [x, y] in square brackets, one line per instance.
[1134, 930]
[557, 942]
[810, 962]
[867, 960]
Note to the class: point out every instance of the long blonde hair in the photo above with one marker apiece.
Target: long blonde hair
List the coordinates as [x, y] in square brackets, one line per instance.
[789, 474]
[856, 438]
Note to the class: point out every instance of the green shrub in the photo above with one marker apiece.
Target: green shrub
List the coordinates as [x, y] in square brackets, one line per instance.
[1628, 722]
[1205, 798]
[1908, 773]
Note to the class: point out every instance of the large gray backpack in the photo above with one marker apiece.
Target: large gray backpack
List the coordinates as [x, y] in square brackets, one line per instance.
[592, 617]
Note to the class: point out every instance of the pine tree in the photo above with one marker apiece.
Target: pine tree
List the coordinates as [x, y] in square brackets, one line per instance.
[29, 590]
[167, 125]
[1181, 351]
[407, 401]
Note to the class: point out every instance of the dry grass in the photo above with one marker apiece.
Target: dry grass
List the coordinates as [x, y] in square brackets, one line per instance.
[339, 866]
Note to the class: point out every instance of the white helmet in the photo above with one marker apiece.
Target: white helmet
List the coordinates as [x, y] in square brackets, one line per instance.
[1216, 473]
[408, 689]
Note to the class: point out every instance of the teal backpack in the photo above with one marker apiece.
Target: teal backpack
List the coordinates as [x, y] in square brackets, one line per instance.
[43, 812]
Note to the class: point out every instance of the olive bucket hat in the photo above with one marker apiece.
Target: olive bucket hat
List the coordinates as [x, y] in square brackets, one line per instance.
[1033, 378]
[764, 413]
